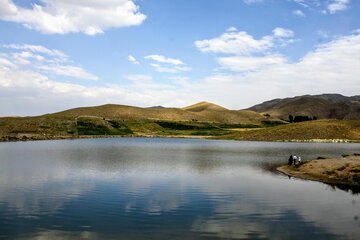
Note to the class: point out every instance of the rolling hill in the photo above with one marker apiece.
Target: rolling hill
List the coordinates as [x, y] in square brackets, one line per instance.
[325, 106]
[200, 119]
[203, 119]
[333, 130]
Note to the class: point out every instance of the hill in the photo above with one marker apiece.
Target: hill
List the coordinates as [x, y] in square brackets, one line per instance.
[325, 106]
[204, 112]
[203, 106]
[304, 131]
[203, 119]
[199, 120]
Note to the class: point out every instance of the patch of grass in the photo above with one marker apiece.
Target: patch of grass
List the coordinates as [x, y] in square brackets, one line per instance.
[345, 155]
[174, 125]
[210, 132]
[99, 126]
[342, 167]
[272, 123]
[235, 125]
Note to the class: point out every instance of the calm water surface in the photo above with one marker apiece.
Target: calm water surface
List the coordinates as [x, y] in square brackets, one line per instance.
[168, 189]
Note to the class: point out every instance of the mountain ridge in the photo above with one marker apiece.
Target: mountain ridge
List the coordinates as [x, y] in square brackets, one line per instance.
[323, 106]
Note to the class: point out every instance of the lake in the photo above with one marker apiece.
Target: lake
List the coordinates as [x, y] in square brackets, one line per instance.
[155, 188]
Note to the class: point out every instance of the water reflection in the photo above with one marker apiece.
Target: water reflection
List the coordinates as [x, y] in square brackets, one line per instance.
[168, 189]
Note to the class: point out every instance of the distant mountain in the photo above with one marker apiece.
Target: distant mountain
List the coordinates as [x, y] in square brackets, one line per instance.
[325, 106]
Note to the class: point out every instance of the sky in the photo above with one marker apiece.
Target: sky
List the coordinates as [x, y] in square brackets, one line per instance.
[61, 54]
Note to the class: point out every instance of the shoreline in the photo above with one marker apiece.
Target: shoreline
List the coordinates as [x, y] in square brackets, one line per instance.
[342, 171]
[30, 137]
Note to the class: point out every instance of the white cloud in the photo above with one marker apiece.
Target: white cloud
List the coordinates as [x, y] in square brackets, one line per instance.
[242, 43]
[283, 33]
[171, 69]
[133, 59]
[162, 59]
[252, 1]
[70, 71]
[37, 49]
[65, 16]
[231, 29]
[167, 65]
[337, 5]
[250, 63]
[325, 7]
[6, 64]
[299, 13]
[137, 77]
[331, 67]
[323, 34]
[247, 53]
[308, 3]
[40, 58]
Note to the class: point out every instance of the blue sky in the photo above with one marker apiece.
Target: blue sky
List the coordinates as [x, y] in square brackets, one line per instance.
[60, 54]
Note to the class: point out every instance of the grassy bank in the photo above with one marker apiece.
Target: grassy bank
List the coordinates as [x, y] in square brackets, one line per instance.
[317, 131]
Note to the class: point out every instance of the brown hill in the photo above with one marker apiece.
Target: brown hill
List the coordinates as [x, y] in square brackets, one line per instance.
[199, 112]
[113, 119]
[320, 129]
[201, 106]
[325, 106]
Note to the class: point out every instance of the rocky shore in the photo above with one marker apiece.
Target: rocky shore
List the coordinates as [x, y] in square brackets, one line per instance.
[344, 171]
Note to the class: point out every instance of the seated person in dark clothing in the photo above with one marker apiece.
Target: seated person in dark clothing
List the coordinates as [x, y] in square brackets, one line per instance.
[291, 160]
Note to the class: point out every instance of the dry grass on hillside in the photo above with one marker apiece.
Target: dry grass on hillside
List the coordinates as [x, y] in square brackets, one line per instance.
[320, 129]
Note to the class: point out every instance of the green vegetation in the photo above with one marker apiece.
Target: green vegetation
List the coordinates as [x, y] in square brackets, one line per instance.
[99, 126]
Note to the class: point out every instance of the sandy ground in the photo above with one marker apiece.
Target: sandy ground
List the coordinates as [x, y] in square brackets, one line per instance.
[343, 170]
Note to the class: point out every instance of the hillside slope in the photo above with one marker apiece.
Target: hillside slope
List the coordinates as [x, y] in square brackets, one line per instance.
[325, 106]
[110, 119]
[320, 129]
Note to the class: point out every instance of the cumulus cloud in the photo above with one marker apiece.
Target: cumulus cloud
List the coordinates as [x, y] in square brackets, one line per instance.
[250, 63]
[330, 67]
[240, 42]
[40, 58]
[70, 71]
[167, 65]
[231, 29]
[37, 49]
[133, 59]
[246, 52]
[299, 13]
[65, 16]
[337, 5]
[162, 59]
[172, 69]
